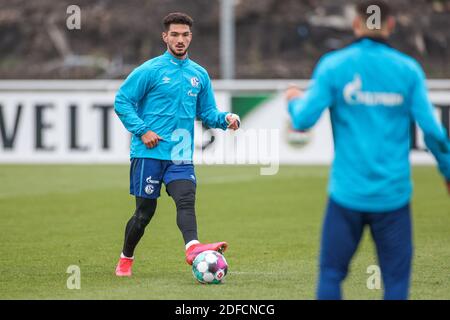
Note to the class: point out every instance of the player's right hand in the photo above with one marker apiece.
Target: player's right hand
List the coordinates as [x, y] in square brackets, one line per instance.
[150, 139]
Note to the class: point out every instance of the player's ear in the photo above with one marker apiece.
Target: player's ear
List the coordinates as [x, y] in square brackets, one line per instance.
[391, 24]
[356, 25]
[164, 37]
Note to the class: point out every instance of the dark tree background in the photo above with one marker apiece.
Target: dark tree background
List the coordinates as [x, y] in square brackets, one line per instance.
[275, 38]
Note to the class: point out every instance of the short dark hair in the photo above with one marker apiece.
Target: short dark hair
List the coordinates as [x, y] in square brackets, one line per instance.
[177, 18]
[385, 9]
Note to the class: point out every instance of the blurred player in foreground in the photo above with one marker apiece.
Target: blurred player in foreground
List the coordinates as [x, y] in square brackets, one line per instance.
[373, 92]
[158, 104]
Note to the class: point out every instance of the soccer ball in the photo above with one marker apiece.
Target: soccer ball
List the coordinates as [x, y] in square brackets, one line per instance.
[210, 267]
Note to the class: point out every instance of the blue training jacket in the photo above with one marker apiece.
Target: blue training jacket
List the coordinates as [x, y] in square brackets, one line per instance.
[373, 93]
[165, 95]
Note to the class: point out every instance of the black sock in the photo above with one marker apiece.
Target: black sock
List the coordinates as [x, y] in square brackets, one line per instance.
[145, 209]
[183, 193]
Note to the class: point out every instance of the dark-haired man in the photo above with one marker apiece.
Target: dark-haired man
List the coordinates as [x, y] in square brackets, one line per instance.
[373, 93]
[158, 104]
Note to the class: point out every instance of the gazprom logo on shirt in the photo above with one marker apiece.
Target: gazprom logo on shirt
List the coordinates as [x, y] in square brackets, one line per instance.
[149, 180]
[354, 95]
[191, 94]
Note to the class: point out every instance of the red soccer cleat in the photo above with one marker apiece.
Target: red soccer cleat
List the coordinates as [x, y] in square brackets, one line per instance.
[123, 268]
[198, 248]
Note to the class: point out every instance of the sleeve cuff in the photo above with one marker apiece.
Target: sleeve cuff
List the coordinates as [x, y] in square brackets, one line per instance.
[142, 131]
[291, 105]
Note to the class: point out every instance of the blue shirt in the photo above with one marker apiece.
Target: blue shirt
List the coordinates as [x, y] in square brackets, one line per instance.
[165, 95]
[373, 93]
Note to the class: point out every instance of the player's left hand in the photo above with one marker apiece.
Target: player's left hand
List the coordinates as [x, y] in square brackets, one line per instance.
[233, 120]
[292, 92]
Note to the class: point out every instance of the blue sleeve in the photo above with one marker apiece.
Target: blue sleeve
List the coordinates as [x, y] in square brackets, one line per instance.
[127, 100]
[435, 135]
[206, 107]
[441, 151]
[306, 111]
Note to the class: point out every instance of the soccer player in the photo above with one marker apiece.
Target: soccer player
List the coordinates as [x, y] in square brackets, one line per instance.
[373, 93]
[158, 104]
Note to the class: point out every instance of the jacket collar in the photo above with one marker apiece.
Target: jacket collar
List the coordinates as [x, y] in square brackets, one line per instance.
[174, 60]
[374, 39]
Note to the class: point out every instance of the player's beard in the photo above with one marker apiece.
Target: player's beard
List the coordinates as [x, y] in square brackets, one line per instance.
[178, 53]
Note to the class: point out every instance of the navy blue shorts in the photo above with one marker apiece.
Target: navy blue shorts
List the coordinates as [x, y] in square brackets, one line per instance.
[147, 175]
[341, 234]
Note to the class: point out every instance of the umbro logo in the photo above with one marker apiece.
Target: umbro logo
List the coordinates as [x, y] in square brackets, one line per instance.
[166, 80]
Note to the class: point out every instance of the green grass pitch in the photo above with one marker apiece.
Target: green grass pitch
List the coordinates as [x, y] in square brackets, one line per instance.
[55, 216]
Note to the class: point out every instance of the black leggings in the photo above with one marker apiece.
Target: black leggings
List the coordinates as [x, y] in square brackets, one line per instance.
[183, 193]
[145, 209]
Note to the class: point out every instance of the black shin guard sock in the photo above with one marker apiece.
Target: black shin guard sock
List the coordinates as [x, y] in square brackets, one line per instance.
[183, 193]
[145, 209]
